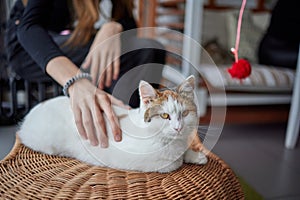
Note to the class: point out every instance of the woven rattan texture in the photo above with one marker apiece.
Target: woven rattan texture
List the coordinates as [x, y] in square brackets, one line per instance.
[26, 174]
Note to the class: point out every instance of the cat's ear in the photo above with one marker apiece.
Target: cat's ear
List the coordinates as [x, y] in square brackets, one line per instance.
[147, 92]
[187, 86]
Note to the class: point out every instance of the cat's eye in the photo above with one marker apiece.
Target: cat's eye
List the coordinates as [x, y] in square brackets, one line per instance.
[185, 113]
[165, 116]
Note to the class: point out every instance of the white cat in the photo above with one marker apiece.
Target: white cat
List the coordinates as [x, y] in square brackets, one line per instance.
[154, 136]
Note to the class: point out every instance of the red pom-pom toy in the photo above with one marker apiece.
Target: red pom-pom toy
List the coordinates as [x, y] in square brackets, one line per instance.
[241, 68]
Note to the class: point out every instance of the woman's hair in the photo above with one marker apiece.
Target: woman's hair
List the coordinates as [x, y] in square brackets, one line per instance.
[87, 13]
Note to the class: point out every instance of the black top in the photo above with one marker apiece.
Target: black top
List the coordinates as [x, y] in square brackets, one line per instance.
[41, 16]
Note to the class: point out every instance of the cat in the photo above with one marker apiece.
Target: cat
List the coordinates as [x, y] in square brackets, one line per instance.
[155, 137]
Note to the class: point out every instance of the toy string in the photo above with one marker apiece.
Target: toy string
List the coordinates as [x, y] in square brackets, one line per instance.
[238, 32]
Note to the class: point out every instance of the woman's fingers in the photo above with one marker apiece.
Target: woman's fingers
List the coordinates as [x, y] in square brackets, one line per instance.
[108, 72]
[116, 65]
[89, 127]
[84, 124]
[118, 102]
[102, 74]
[112, 118]
[78, 122]
[100, 126]
[116, 61]
[86, 64]
[95, 69]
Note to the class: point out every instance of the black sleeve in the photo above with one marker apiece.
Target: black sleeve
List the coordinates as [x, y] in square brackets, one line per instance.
[33, 35]
[127, 23]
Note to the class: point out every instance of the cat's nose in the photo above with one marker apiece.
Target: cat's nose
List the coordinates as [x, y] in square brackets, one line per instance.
[178, 129]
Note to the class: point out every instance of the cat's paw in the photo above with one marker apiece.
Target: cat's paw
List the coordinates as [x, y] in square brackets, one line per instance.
[201, 159]
[195, 158]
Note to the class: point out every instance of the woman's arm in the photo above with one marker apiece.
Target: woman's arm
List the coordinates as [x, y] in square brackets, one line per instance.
[87, 101]
[33, 31]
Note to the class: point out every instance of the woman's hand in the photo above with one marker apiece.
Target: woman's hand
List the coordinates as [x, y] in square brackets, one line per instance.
[89, 104]
[103, 57]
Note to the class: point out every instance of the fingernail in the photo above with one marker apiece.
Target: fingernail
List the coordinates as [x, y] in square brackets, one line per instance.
[94, 143]
[118, 138]
[104, 145]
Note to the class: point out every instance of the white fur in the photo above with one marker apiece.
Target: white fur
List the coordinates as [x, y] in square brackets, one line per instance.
[149, 147]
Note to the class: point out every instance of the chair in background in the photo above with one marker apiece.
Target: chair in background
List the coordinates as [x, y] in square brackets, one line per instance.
[294, 115]
[18, 96]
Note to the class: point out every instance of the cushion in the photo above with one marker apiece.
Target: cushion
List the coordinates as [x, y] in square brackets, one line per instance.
[221, 25]
[252, 30]
[214, 27]
[263, 78]
[26, 174]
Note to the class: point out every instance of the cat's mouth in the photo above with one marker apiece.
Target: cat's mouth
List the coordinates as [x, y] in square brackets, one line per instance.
[176, 133]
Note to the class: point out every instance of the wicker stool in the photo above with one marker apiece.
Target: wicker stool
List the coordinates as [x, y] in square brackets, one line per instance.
[26, 174]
